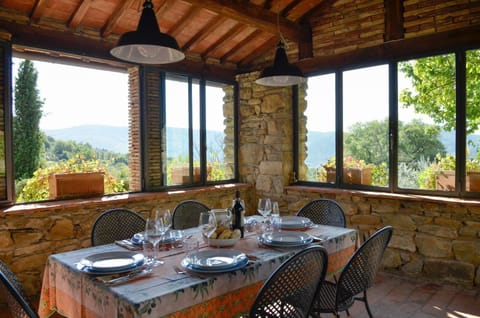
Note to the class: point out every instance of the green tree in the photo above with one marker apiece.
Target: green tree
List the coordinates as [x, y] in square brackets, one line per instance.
[27, 138]
[433, 80]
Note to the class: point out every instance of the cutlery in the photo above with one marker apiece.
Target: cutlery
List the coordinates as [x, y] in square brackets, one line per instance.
[130, 276]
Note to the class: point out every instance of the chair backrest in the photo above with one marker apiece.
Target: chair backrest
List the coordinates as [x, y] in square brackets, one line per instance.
[291, 288]
[116, 224]
[324, 211]
[187, 213]
[359, 273]
[14, 293]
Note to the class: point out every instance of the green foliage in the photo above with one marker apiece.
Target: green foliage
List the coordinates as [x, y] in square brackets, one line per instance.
[368, 141]
[434, 83]
[27, 138]
[380, 175]
[427, 178]
[36, 188]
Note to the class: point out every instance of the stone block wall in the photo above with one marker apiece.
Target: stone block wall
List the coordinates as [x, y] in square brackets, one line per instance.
[434, 239]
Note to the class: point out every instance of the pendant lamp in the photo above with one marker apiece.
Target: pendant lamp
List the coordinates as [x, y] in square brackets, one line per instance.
[281, 73]
[147, 45]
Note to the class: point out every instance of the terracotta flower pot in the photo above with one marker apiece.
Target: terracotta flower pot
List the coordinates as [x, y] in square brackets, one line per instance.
[75, 185]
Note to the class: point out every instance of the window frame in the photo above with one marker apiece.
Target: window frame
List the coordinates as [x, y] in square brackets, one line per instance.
[460, 134]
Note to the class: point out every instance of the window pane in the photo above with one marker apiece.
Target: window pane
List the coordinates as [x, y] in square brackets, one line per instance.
[365, 124]
[220, 132]
[83, 128]
[183, 164]
[427, 112]
[317, 143]
[473, 120]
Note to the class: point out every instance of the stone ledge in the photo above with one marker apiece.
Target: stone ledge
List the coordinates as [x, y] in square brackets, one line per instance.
[385, 195]
[109, 199]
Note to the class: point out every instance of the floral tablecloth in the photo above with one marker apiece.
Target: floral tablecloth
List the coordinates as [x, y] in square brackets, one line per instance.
[166, 293]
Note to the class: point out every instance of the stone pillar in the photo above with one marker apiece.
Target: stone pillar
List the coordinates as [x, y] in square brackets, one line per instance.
[265, 137]
[134, 161]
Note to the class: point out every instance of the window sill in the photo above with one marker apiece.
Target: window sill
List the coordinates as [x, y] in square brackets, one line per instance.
[95, 202]
[384, 195]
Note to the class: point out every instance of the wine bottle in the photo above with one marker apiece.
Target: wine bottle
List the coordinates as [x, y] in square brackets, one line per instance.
[237, 213]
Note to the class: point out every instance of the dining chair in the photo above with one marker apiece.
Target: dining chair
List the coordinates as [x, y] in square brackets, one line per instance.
[291, 288]
[187, 213]
[356, 277]
[324, 211]
[116, 224]
[15, 295]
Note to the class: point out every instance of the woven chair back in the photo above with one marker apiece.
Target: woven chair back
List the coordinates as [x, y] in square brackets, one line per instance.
[14, 293]
[116, 224]
[187, 213]
[324, 211]
[290, 290]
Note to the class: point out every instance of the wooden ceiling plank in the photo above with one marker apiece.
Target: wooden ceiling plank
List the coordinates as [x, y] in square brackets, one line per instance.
[204, 32]
[79, 14]
[38, 9]
[265, 48]
[116, 16]
[240, 44]
[184, 21]
[233, 31]
[316, 11]
[255, 16]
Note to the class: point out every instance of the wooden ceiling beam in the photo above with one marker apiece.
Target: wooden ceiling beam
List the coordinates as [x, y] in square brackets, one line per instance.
[233, 31]
[207, 30]
[182, 23]
[37, 11]
[255, 16]
[269, 46]
[317, 11]
[116, 17]
[393, 20]
[240, 44]
[79, 13]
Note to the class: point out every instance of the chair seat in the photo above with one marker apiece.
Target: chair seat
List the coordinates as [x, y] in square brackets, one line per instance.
[326, 303]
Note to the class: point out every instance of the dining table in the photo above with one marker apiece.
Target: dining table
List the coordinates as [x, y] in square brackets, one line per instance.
[171, 291]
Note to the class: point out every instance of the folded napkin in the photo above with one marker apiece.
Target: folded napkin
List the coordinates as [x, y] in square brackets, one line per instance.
[128, 245]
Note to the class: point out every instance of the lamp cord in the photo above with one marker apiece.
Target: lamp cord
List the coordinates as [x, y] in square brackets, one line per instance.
[282, 39]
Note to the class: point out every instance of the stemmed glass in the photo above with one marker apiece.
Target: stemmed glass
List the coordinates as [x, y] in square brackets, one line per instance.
[156, 226]
[264, 207]
[207, 224]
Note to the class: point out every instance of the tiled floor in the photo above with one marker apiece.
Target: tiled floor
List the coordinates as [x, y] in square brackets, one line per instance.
[394, 297]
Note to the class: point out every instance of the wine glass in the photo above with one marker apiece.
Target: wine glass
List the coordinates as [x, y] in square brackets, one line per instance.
[207, 224]
[264, 207]
[156, 226]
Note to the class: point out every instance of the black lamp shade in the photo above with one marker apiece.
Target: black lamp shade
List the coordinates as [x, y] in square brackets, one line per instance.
[147, 45]
[281, 73]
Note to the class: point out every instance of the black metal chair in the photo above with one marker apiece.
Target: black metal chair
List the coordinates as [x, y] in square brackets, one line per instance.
[15, 295]
[116, 224]
[324, 211]
[187, 213]
[356, 277]
[291, 288]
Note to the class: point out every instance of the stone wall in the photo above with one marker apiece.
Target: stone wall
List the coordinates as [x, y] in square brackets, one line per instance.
[433, 239]
[30, 233]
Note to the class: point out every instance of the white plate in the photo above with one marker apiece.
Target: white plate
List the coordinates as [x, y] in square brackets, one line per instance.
[294, 222]
[215, 259]
[109, 262]
[286, 239]
[186, 265]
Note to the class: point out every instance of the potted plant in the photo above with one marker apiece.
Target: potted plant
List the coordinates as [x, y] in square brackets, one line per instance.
[355, 171]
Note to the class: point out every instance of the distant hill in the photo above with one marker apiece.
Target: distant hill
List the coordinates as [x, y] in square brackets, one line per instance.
[116, 138]
[98, 136]
[321, 145]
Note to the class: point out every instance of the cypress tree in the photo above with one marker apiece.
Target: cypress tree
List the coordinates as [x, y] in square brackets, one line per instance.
[27, 137]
